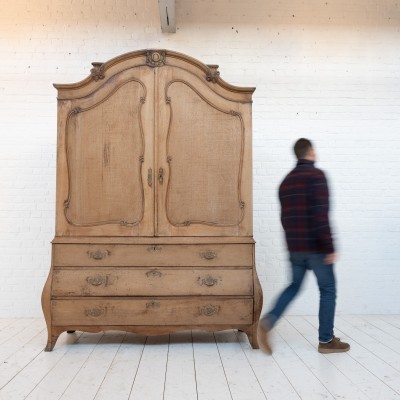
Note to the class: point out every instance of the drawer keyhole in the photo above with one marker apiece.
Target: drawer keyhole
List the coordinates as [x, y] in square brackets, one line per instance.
[154, 274]
[154, 249]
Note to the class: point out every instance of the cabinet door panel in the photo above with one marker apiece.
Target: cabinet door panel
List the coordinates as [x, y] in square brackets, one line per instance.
[202, 149]
[105, 153]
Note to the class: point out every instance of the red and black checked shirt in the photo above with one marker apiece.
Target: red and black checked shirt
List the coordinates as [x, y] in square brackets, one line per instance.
[304, 198]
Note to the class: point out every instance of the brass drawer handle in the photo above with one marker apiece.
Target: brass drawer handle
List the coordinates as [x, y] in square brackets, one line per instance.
[98, 255]
[150, 177]
[208, 255]
[97, 280]
[153, 304]
[95, 312]
[207, 281]
[154, 249]
[154, 273]
[161, 175]
[209, 310]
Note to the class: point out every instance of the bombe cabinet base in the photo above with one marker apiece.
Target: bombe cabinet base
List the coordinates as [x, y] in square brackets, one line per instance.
[199, 283]
[56, 331]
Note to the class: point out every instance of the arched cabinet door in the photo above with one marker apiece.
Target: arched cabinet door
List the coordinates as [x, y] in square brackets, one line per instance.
[203, 147]
[106, 158]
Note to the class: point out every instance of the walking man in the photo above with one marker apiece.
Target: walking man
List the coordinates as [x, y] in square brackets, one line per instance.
[304, 199]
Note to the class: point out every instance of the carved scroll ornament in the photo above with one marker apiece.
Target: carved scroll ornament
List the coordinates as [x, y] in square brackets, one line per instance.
[97, 72]
[212, 74]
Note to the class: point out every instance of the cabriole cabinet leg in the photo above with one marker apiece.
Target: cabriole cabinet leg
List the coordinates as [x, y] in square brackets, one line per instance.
[251, 333]
[51, 342]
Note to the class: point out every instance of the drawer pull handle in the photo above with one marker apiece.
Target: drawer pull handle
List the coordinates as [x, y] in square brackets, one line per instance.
[153, 304]
[97, 280]
[150, 177]
[207, 281]
[154, 274]
[208, 255]
[209, 311]
[98, 255]
[154, 249]
[95, 312]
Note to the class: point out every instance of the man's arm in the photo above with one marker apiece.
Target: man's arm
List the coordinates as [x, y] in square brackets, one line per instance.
[320, 215]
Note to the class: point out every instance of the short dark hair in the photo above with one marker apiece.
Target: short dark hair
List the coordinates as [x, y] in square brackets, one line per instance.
[301, 148]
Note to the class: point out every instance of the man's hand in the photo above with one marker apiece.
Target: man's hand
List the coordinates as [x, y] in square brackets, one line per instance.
[330, 258]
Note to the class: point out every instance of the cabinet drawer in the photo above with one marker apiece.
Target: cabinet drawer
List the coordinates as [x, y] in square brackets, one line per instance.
[152, 311]
[151, 281]
[184, 255]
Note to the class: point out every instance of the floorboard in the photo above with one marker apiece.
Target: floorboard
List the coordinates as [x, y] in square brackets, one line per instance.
[180, 379]
[197, 365]
[149, 381]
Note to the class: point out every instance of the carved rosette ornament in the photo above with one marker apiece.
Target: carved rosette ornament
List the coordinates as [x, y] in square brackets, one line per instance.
[155, 58]
[212, 73]
[97, 72]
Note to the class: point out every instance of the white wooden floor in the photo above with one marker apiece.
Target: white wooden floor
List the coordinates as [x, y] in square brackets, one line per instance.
[202, 366]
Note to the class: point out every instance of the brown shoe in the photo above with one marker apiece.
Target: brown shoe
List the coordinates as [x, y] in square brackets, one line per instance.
[262, 336]
[334, 346]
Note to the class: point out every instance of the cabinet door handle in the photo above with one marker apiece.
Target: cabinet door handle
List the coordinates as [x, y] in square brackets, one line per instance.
[150, 177]
[161, 175]
[208, 255]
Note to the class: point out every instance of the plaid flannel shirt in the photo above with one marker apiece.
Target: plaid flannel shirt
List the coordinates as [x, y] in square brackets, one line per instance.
[304, 199]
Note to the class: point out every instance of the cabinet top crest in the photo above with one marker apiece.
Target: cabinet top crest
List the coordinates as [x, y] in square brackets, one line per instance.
[152, 58]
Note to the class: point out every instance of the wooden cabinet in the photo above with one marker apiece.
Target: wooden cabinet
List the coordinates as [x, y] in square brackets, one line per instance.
[154, 201]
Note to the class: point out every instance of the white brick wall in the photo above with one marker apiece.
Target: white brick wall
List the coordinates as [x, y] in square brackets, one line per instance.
[326, 70]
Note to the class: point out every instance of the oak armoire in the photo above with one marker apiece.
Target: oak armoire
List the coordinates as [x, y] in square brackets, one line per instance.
[153, 201]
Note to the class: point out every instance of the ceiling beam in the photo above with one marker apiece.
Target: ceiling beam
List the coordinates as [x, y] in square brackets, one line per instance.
[167, 15]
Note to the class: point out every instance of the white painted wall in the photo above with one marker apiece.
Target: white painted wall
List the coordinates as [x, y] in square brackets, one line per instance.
[327, 70]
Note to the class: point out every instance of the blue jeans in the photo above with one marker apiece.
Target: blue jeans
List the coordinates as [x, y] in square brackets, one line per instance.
[300, 263]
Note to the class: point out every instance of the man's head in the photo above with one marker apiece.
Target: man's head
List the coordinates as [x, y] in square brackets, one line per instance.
[304, 150]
